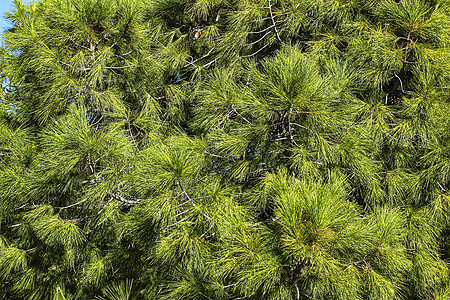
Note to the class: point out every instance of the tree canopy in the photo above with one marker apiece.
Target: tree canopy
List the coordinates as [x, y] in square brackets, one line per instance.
[221, 149]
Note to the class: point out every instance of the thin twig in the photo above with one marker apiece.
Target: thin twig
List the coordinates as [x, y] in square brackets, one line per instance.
[16, 225]
[176, 223]
[182, 213]
[204, 233]
[20, 207]
[273, 22]
[124, 67]
[257, 41]
[71, 205]
[401, 84]
[232, 106]
[441, 260]
[204, 56]
[250, 55]
[290, 130]
[105, 206]
[108, 215]
[261, 31]
[268, 18]
[218, 156]
[193, 203]
[304, 127]
[209, 63]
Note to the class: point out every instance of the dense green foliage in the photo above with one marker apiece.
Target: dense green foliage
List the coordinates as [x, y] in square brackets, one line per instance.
[221, 149]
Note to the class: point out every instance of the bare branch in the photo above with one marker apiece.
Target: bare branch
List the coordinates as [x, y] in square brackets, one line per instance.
[182, 213]
[122, 199]
[204, 233]
[204, 56]
[190, 199]
[261, 31]
[259, 50]
[15, 225]
[124, 67]
[232, 106]
[20, 207]
[176, 223]
[298, 292]
[72, 205]
[401, 84]
[218, 156]
[108, 215]
[304, 127]
[210, 63]
[290, 130]
[273, 22]
[257, 41]
[269, 18]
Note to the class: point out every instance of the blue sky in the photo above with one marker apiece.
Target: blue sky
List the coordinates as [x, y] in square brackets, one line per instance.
[6, 5]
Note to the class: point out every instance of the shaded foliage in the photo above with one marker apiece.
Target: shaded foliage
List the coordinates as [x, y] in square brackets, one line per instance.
[210, 149]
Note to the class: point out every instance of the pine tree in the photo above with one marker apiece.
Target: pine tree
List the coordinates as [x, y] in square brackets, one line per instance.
[208, 149]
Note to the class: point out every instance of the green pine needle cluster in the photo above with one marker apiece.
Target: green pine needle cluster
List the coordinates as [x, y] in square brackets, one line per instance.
[213, 149]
